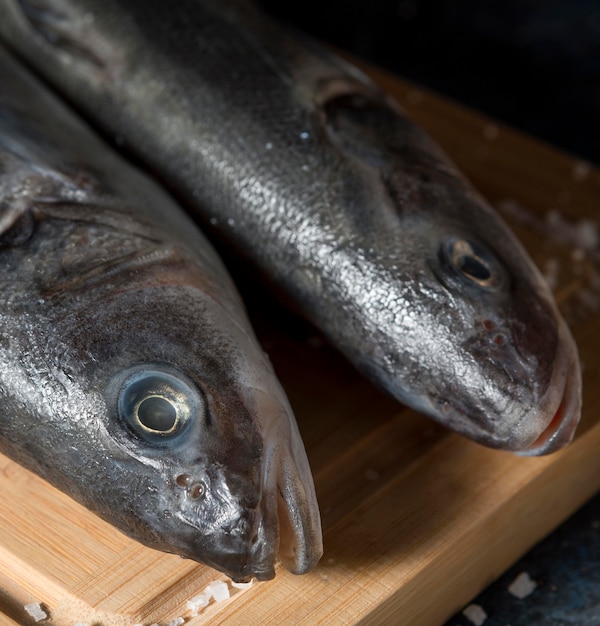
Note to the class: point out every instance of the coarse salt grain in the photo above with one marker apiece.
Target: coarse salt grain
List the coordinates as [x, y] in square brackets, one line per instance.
[475, 614]
[176, 622]
[586, 234]
[551, 272]
[581, 170]
[35, 610]
[218, 589]
[198, 602]
[522, 586]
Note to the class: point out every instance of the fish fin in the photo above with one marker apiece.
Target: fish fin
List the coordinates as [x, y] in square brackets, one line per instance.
[98, 276]
[370, 128]
[88, 211]
[60, 28]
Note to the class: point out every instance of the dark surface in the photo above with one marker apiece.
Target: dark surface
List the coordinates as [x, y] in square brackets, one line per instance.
[534, 64]
[566, 569]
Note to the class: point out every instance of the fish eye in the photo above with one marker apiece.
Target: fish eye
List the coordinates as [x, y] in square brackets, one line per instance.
[473, 263]
[157, 406]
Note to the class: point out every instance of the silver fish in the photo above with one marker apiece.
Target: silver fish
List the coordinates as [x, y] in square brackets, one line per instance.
[313, 173]
[129, 375]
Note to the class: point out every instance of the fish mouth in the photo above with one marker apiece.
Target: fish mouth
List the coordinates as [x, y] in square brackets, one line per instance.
[562, 424]
[288, 522]
[285, 526]
[290, 526]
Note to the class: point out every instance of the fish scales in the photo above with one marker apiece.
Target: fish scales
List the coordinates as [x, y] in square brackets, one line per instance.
[304, 166]
[129, 374]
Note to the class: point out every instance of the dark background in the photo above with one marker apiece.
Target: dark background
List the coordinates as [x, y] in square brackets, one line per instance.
[534, 64]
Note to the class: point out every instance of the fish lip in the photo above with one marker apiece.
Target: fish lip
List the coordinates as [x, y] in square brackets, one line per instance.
[288, 522]
[289, 528]
[560, 428]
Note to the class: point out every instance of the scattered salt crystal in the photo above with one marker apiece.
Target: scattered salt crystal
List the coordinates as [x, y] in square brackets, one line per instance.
[581, 170]
[551, 271]
[176, 622]
[218, 589]
[490, 131]
[586, 234]
[242, 585]
[589, 299]
[475, 614]
[522, 586]
[510, 206]
[554, 218]
[577, 255]
[35, 610]
[268, 146]
[198, 602]
[231, 221]
[305, 135]
[214, 221]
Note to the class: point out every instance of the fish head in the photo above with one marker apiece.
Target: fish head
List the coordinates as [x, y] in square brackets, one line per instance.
[495, 359]
[195, 440]
[459, 322]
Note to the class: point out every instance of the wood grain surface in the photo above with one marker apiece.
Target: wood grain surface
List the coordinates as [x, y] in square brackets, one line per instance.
[416, 519]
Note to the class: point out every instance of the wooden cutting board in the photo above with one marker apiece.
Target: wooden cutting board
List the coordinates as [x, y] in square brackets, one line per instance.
[416, 520]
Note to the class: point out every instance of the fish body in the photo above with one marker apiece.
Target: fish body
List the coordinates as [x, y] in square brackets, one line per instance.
[129, 375]
[302, 164]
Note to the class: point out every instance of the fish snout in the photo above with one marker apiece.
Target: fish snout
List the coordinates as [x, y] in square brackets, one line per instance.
[560, 409]
[534, 402]
[222, 516]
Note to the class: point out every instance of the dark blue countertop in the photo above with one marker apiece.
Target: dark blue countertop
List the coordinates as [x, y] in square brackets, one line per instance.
[565, 568]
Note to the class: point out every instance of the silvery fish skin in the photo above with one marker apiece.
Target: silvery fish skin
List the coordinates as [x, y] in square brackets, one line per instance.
[129, 375]
[351, 211]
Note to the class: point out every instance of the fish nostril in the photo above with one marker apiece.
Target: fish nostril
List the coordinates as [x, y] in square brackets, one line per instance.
[183, 480]
[488, 324]
[499, 339]
[196, 491]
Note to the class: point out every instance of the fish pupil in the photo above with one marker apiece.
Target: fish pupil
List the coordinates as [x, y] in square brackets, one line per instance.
[157, 413]
[474, 267]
